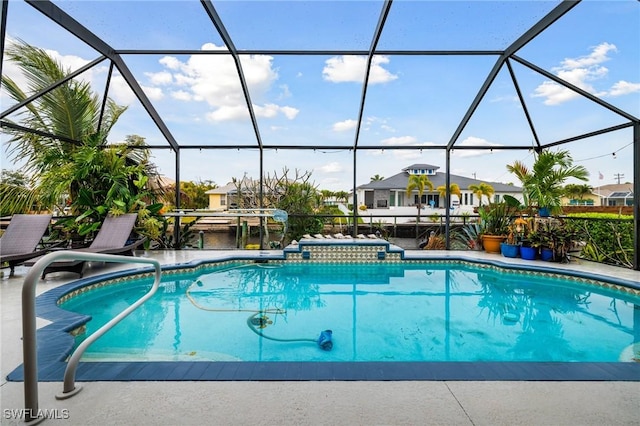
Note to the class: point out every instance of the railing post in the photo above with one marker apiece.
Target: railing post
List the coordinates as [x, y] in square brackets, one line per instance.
[29, 341]
[30, 359]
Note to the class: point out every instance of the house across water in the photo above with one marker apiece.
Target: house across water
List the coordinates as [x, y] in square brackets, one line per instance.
[391, 193]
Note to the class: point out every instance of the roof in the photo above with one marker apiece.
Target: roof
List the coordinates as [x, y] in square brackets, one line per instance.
[606, 191]
[222, 189]
[421, 167]
[400, 181]
[627, 194]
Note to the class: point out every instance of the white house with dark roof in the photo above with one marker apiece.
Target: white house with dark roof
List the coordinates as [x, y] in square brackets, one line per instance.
[391, 193]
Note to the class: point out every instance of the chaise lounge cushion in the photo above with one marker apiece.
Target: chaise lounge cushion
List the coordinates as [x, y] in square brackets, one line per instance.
[21, 238]
[112, 238]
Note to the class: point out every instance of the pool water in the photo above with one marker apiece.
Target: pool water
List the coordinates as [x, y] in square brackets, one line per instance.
[394, 312]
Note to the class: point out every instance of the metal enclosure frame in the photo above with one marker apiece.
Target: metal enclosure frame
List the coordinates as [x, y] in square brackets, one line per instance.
[504, 58]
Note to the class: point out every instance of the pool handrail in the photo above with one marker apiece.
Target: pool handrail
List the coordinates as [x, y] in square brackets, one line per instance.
[30, 360]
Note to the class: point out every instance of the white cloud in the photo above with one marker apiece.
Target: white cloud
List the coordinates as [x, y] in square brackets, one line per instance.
[343, 126]
[285, 92]
[70, 62]
[170, 62]
[267, 111]
[472, 141]
[378, 74]
[369, 122]
[159, 78]
[193, 80]
[342, 69]
[333, 167]
[582, 72]
[120, 91]
[226, 113]
[181, 95]
[401, 140]
[597, 56]
[229, 112]
[289, 112]
[153, 93]
[624, 88]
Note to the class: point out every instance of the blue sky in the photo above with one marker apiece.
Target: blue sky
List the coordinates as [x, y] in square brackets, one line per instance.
[314, 99]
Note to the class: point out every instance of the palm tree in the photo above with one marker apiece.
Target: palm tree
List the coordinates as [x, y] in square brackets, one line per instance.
[542, 184]
[480, 190]
[70, 112]
[74, 162]
[525, 176]
[419, 183]
[326, 194]
[578, 191]
[377, 178]
[454, 189]
[342, 195]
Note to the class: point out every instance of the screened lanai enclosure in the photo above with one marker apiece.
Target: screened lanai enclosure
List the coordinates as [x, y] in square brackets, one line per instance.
[352, 92]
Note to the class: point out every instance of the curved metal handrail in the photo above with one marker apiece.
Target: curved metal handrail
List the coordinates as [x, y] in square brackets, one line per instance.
[30, 361]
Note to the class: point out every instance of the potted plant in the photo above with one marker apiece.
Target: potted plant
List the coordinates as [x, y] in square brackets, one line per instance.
[470, 236]
[529, 251]
[556, 238]
[510, 247]
[495, 219]
[531, 243]
[495, 224]
[542, 186]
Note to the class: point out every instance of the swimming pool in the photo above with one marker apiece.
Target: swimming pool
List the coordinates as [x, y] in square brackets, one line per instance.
[365, 321]
[413, 312]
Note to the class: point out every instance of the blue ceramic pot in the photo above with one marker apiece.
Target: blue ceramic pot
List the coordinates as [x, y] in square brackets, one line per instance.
[528, 253]
[509, 250]
[544, 212]
[546, 254]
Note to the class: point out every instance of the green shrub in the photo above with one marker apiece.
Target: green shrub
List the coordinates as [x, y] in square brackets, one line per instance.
[607, 237]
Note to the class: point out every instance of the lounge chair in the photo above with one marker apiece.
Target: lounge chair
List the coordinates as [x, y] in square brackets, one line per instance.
[112, 238]
[20, 240]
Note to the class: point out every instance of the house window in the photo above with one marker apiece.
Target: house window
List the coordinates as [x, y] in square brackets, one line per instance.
[381, 203]
[392, 199]
[471, 198]
[223, 200]
[466, 199]
[496, 198]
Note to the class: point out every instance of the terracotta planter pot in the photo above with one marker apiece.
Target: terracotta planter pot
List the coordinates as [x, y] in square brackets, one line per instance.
[491, 243]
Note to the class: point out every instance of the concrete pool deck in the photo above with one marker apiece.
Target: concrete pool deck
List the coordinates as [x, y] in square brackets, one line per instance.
[311, 402]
